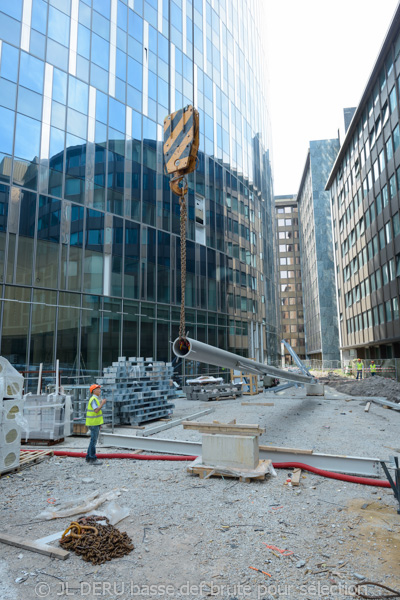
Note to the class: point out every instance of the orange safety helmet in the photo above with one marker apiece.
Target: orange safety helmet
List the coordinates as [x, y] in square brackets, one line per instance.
[94, 387]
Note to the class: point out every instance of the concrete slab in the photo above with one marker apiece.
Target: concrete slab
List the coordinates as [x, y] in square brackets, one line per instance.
[230, 450]
[315, 389]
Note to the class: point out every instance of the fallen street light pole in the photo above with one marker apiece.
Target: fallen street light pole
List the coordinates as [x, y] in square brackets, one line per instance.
[198, 351]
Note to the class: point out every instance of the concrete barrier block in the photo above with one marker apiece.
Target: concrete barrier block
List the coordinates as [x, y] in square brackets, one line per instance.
[315, 389]
[230, 450]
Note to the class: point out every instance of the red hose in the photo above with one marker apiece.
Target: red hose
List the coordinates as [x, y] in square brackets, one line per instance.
[331, 475]
[126, 455]
[282, 465]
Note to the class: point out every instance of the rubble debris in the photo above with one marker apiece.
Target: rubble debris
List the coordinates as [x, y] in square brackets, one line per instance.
[372, 386]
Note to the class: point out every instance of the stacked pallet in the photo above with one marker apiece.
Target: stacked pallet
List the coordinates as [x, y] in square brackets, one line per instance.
[138, 390]
[211, 388]
[11, 406]
[47, 417]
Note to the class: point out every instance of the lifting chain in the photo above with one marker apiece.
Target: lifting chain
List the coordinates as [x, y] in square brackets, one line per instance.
[96, 543]
[181, 192]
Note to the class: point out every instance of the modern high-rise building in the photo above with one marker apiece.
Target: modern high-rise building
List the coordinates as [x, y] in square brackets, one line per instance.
[89, 230]
[290, 282]
[317, 260]
[365, 196]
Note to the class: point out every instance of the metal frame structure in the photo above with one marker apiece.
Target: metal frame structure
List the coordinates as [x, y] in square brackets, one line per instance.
[395, 485]
[350, 465]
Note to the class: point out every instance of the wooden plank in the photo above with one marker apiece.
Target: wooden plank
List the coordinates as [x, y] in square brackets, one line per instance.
[27, 457]
[367, 406]
[33, 546]
[258, 403]
[292, 450]
[229, 429]
[205, 471]
[296, 477]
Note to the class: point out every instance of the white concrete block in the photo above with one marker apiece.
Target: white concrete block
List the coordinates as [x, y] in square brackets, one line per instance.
[315, 389]
[230, 450]
[10, 433]
[9, 460]
[11, 409]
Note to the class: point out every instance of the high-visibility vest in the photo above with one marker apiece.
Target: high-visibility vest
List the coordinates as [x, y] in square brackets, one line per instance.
[93, 418]
[373, 368]
[359, 366]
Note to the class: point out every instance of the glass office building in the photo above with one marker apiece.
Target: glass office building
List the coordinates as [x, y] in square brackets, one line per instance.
[89, 230]
[365, 200]
[290, 279]
[317, 260]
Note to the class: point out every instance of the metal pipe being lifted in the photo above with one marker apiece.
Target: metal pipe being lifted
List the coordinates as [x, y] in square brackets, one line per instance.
[192, 350]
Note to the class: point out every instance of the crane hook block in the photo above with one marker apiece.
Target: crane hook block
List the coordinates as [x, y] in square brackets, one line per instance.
[181, 141]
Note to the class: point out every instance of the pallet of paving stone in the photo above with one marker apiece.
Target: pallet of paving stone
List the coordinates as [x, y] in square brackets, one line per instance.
[138, 417]
[43, 442]
[244, 476]
[148, 418]
[80, 429]
[140, 389]
[212, 392]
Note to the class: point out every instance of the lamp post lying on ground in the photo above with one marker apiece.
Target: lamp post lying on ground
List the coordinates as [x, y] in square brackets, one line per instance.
[198, 351]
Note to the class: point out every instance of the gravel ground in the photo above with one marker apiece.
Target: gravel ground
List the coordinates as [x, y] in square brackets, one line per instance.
[198, 538]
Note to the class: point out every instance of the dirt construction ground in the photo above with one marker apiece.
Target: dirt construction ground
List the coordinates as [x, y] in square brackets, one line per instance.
[197, 538]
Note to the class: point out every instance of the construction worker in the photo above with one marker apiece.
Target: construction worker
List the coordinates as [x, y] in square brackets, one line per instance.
[94, 420]
[372, 368]
[360, 366]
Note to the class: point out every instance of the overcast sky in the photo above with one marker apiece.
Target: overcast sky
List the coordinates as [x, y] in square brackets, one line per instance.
[321, 53]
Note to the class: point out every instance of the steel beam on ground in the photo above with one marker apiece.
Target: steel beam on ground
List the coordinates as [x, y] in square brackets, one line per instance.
[284, 386]
[385, 402]
[151, 444]
[349, 465]
[175, 423]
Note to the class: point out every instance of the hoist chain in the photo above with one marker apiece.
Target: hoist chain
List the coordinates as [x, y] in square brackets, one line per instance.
[182, 202]
[181, 192]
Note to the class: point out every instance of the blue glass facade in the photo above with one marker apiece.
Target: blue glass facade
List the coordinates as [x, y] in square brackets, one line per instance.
[89, 230]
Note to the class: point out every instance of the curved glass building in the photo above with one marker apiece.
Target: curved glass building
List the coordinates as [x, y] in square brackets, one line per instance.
[89, 230]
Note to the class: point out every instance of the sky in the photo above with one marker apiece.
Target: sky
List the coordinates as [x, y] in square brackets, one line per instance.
[320, 54]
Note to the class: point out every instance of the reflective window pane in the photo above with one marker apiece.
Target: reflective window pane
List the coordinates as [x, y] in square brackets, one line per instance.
[31, 72]
[43, 328]
[6, 130]
[78, 94]
[14, 339]
[29, 103]
[58, 26]
[68, 332]
[27, 138]
[90, 335]
[9, 62]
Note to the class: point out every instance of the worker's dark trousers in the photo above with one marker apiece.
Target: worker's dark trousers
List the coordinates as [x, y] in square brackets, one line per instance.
[94, 434]
[359, 374]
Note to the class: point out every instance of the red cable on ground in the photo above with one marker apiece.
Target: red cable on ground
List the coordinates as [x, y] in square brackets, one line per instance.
[126, 455]
[331, 475]
[282, 465]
